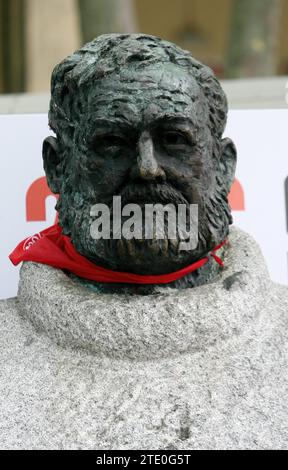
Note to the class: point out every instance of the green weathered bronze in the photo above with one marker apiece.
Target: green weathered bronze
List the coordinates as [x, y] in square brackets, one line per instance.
[139, 117]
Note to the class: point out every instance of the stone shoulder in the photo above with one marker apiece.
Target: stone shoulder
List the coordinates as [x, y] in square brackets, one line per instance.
[8, 317]
[280, 292]
[8, 304]
[277, 309]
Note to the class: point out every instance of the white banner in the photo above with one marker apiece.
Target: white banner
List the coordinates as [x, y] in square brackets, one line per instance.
[258, 197]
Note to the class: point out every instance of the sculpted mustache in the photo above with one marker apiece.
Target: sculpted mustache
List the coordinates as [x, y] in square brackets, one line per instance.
[151, 193]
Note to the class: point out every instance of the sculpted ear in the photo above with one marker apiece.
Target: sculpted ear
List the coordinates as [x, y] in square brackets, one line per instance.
[228, 162]
[51, 161]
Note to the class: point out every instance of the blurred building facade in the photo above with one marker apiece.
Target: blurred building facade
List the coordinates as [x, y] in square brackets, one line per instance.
[237, 38]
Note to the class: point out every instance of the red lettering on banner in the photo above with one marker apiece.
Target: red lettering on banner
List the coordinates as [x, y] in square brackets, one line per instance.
[39, 190]
[36, 197]
[236, 197]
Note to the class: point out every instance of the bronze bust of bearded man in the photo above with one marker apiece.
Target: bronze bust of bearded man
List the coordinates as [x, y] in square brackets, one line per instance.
[200, 360]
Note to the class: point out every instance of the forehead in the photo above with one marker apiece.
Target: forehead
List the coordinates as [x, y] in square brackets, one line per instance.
[142, 96]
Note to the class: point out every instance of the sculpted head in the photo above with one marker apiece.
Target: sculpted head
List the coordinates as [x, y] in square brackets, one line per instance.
[138, 117]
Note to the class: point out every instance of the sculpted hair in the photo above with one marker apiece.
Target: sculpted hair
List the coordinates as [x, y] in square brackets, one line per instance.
[110, 53]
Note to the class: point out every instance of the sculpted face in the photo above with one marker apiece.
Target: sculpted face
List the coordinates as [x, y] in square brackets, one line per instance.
[143, 135]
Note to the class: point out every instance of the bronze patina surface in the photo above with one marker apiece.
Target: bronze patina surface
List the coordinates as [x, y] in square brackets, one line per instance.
[138, 117]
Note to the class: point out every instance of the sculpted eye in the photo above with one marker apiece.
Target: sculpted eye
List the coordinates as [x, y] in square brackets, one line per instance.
[109, 141]
[175, 139]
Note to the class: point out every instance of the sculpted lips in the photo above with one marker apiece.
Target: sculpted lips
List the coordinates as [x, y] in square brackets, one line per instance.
[151, 193]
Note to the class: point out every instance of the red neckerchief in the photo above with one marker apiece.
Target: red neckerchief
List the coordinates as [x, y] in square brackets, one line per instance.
[55, 249]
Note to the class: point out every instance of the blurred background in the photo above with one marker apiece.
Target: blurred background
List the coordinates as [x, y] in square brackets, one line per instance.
[239, 39]
[244, 41]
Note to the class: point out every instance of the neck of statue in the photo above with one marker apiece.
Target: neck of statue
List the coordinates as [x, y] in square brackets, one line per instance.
[208, 273]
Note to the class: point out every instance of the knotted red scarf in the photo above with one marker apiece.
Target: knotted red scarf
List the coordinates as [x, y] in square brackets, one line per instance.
[55, 249]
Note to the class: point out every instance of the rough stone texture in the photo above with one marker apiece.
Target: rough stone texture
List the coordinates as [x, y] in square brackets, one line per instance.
[204, 368]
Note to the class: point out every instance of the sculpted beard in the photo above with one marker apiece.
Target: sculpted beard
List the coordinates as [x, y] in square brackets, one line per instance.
[144, 256]
[148, 255]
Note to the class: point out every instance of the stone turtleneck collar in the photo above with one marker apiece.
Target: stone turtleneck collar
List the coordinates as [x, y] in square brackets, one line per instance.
[166, 323]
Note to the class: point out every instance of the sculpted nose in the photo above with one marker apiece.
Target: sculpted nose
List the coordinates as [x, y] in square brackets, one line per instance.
[147, 166]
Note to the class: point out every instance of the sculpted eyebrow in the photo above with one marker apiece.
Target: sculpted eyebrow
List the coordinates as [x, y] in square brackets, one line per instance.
[102, 124]
[168, 119]
[102, 127]
[109, 122]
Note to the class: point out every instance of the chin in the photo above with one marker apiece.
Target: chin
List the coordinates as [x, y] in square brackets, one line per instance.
[147, 256]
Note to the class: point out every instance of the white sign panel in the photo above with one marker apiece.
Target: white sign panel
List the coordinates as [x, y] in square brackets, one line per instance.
[258, 198]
